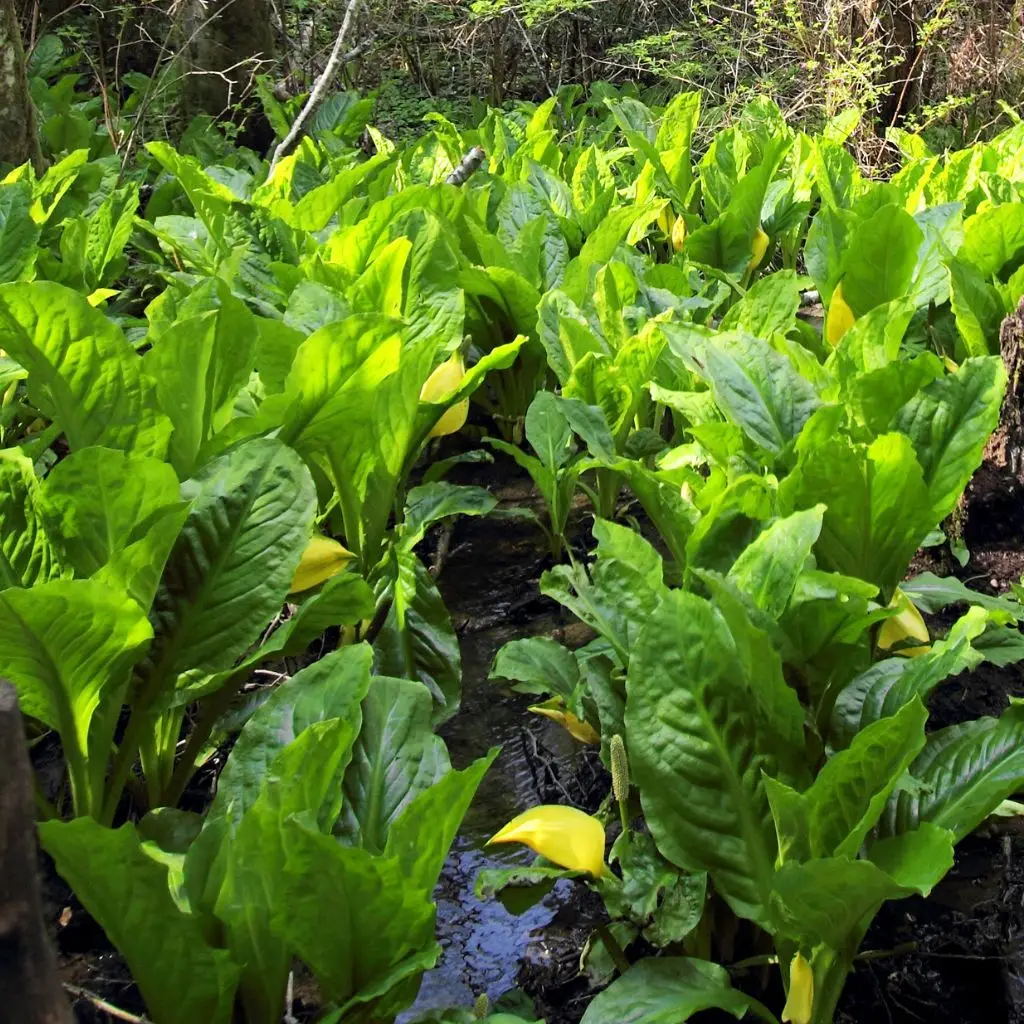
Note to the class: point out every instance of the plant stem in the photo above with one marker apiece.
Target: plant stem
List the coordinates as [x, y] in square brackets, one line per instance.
[604, 933]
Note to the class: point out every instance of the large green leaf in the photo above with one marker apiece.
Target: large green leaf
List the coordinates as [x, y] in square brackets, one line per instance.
[977, 307]
[539, 665]
[200, 364]
[396, 757]
[949, 423]
[232, 565]
[881, 258]
[19, 233]
[182, 979]
[699, 751]
[878, 505]
[964, 772]
[994, 237]
[768, 568]
[758, 389]
[850, 791]
[68, 647]
[417, 640]
[829, 899]
[429, 503]
[423, 832]
[381, 927]
[333, 687]
[82, 372]
[98, 501]
[669, 990]
[27, 555]
[302, 780]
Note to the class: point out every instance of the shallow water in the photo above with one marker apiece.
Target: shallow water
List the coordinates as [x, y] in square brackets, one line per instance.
[484, 943]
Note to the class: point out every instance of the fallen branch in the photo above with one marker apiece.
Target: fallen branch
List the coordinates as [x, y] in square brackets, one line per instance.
[336, 59]
[101, 1004]
[467, 167]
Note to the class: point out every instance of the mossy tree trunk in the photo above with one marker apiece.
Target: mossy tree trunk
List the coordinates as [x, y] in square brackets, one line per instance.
[18, 139]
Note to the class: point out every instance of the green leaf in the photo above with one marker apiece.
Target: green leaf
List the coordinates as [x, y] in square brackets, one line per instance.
[768, 569]
[82, 372]
[977, 307]
[826, 900]
[699, 751]
[231, 567]
[429, 503]
[330, 688]
[422, 834]
[918, 859]
[548, 431]
[212, 200]
[994, 237]
[668, 990]
[881, 258]
[19, 233]
[199, 365]
[381, 929]
[965, 771]
[768, 308]
[878, 506]
[851, 790]
[932, 594]
[396, 757]
[343, 600]
[27, 555]
[887, 686]
[758, 390]
[68, 646]
[417, 640]
[539, 665]
[98, 501]
[949, 423]
[182, 979]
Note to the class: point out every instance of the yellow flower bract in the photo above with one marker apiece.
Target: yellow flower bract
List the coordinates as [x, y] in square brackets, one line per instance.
[577, 728]
[441, 383]
[839, 319]
[322, 559]
[799, 1008]
[565, 836]
[907, 625]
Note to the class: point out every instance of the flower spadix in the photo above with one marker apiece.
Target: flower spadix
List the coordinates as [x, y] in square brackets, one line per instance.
[323, 558]
[441, 383]
[799, 1006]
[565, 836]
[906, 625]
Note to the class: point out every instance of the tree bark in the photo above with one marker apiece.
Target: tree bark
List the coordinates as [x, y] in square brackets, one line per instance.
[30, 991]
[226, 43]
[18, 139]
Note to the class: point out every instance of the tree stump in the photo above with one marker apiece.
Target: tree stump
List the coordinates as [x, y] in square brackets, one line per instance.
[1005, 448]
[30, 990]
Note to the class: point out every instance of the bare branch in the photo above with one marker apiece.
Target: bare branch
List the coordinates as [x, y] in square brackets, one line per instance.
[336, 59]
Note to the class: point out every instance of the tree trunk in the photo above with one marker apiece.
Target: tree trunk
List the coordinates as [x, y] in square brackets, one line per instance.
[227, 43]
[892, 25]
[30, 991]
[18, 139]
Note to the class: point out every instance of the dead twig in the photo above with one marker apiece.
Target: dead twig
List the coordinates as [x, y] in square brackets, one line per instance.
[101, 1004]
[336, 59]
